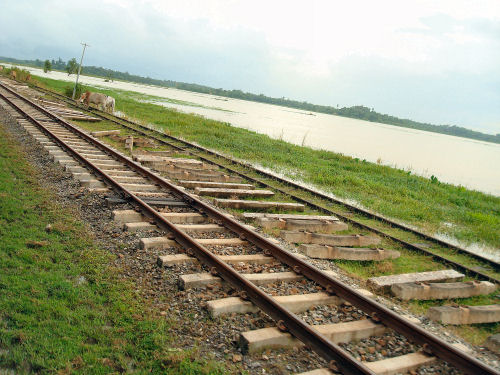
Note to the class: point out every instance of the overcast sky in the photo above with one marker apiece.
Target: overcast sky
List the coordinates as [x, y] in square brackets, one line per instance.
[432, 61]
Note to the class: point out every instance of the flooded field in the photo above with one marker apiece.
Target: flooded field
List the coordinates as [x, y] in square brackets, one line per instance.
[473, 164]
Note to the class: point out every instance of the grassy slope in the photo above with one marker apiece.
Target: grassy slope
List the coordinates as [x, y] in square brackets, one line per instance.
[62, 308]
[474, 216]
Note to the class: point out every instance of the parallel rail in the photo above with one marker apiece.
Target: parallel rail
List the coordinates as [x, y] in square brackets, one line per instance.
[143, 130]
[336, 356]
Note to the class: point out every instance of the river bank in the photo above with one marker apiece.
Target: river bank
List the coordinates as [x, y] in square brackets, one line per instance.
[456, 160]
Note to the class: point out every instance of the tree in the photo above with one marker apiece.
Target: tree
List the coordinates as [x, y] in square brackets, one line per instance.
[72, 66]
[109, 77]
[60, 65]
[47, 66]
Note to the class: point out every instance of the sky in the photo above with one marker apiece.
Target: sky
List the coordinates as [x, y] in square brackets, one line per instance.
[430, 61]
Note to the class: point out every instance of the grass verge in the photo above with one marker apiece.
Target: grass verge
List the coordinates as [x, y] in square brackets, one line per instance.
[421, 202]
[62, 307]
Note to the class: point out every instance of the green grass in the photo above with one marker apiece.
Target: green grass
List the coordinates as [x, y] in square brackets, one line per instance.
[475, 217]
[63, 308]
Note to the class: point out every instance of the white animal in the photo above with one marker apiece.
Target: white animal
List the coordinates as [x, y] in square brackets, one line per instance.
[103, 102]
[95, 98]
[110, 104]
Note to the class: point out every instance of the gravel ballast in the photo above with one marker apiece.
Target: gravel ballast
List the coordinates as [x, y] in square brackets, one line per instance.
[192, 325]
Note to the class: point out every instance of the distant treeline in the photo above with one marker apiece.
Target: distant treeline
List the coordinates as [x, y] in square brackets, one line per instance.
[358, 112]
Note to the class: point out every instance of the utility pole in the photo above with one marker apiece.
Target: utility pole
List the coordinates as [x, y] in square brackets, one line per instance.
[85, 45]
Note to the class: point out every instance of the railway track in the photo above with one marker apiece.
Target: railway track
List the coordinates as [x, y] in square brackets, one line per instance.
[101, 167]
[428, 245]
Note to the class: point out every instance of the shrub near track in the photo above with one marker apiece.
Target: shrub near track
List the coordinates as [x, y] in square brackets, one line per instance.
[62, 307]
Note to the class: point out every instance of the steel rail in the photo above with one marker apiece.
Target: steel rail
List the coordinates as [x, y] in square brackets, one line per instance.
[431, 343]
[442, 259]
[337, 357]
[282, 180]
[333, 200]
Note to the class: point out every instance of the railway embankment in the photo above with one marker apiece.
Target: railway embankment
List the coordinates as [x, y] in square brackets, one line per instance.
[339, 243]
[428, 205]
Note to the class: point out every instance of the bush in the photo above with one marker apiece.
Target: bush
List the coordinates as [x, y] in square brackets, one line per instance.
[21, 74]
[72, 66]
[47, 66]
[80, 89]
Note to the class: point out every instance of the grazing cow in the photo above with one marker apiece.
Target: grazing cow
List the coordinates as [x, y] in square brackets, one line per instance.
[1, 68]
[95, 98]
[13, 74]
[110, 104]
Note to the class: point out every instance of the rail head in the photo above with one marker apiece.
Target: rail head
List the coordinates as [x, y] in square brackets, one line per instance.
[366, 212]
[321, 345]
[335, 355]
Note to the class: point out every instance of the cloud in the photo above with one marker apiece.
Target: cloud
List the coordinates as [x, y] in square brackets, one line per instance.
[434, 62]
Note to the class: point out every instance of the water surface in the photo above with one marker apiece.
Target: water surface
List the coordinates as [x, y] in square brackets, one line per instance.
[461, 161]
